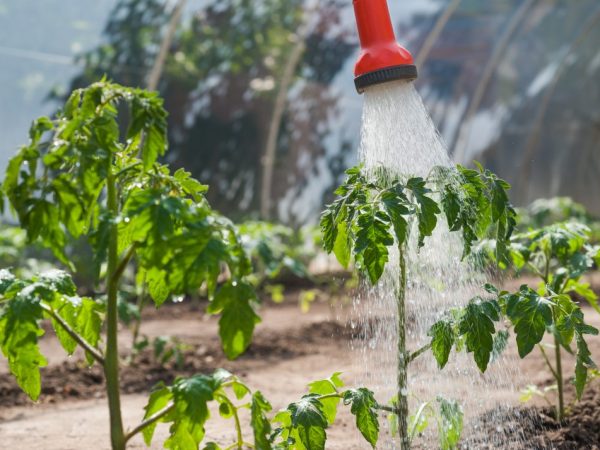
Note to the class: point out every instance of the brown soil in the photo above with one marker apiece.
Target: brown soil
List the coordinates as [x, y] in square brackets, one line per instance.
[74, 380]
[289, 350]
[533, 428]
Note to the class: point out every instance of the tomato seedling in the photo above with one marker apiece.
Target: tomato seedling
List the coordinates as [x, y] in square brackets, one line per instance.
[559, 254]
[375, 210]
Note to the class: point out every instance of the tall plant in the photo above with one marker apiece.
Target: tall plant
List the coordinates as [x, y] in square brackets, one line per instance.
[375, 210]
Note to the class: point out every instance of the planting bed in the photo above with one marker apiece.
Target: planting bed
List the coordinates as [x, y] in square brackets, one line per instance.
[289, 350]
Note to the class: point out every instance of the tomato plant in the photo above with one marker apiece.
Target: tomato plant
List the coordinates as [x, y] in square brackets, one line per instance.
[376, 210]
[559, 254]
[84, 175]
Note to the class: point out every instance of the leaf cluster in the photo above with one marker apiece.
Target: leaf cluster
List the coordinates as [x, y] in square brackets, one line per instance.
[303, 424]
[530, 315]
[24, 303]
[375, 211]
[300, 426]
[58, 186]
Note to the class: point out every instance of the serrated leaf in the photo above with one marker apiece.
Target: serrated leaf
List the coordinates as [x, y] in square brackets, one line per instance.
[191, 397]
[363, 404]
[372, 239]
[7, 279]
[584, 357]
[341, 248]
[19, 334]
[500, 344]
[160, 397]
[238, 318]
[324, 387]
[309, 422]
[530, 314]
[89, 323]
[442, 340]
[395, 204]
[585, 291]
[477, 327]
[427, 208]
[261, 427]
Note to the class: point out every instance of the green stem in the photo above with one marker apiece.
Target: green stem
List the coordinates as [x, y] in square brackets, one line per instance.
[111, 366]
[116, 275]
[559, 381]
[149, 421]
[238, 427]
[403, 356]
[554, 374]
[141, 302]
[386, 408]
[414, 355]
[89, 348]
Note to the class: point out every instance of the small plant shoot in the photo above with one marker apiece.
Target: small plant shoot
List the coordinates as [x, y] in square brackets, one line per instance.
[374, 212]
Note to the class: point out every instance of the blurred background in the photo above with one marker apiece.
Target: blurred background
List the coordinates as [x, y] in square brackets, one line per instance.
[261, 98]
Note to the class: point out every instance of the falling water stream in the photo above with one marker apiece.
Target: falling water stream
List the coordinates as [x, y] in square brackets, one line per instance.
[398, 133]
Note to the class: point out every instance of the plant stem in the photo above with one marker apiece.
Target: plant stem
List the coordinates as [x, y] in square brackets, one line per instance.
[238, 427]
[141, 301]
[386, 408]
[414, 355]
[403, 357]
[559, 381]
[149, 421]
[116, 275]
[89, 348]
[111, 366]
[554, 374]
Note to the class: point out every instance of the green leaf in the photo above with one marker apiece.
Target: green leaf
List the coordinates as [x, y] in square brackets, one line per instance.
[191, 397]
[442, 340]
[395, 204]
[324, 387]
[238, 318]
[451, 424]
[261, 427]
[329, 230]
[372, 239]
[160, 397]
[19, 334]
[500, 344]
[499, 200]
[89, 323]
[477, 327]
[308, 420]
[427, 208]
[452, 209]
[363, 407]
[59, 281]
[7, 280]
[341, 248]
[530, 314]
[584, 290]
[584, 357]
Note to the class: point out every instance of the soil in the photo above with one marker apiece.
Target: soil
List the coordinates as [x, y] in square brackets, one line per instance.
[289, 350]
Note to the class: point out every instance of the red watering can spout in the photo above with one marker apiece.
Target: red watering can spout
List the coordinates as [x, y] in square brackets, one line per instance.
[381, 58]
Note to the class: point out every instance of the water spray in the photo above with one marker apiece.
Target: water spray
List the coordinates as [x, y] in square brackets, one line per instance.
[381, 58]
